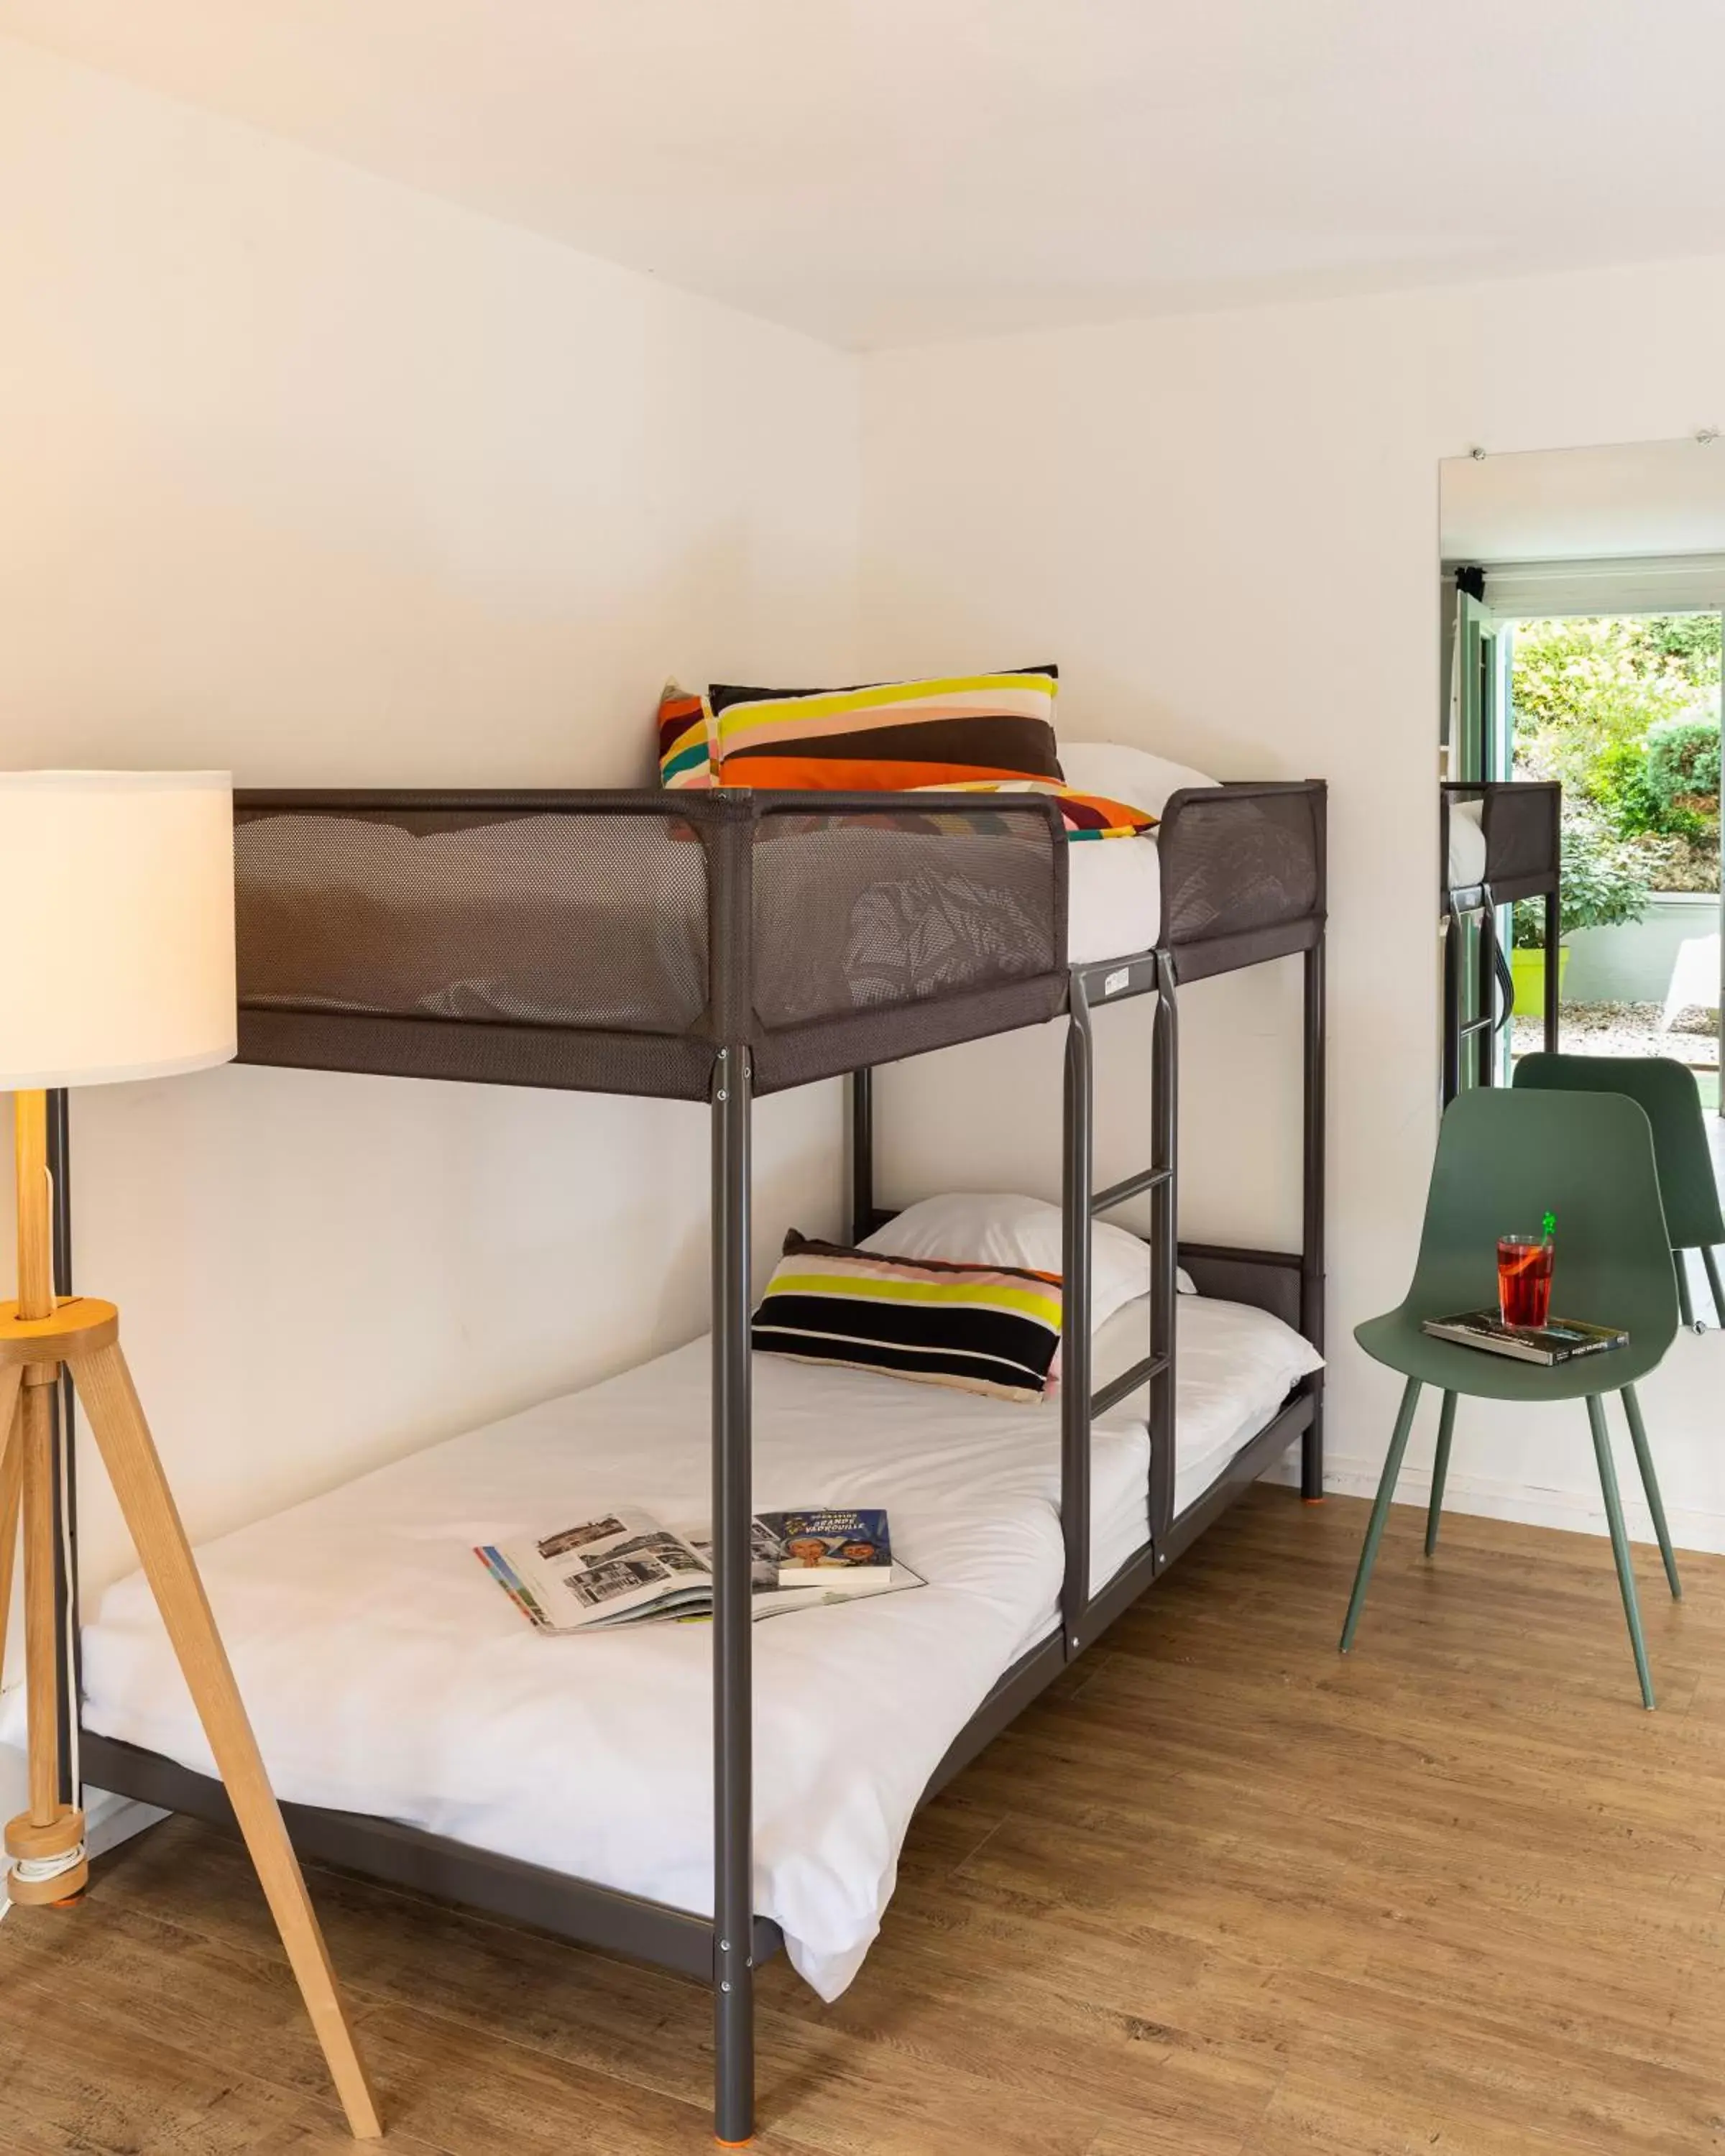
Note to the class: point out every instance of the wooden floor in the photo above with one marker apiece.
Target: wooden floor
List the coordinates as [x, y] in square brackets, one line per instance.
[1225, 1893]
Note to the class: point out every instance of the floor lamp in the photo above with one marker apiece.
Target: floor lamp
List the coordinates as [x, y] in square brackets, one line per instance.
[116, 890]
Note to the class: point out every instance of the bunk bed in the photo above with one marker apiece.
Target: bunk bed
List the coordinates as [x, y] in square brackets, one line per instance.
[716, 948]
[1499, 842]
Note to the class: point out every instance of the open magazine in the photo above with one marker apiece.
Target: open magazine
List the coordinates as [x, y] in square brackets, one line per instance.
[628, 1568]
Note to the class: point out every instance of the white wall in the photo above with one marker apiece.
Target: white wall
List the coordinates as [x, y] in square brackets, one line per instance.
[309, 476]
[1672, 951]
[312, 477]
[1224, 529]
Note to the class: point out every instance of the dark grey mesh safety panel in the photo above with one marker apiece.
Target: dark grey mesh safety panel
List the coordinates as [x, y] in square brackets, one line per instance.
[1243, 874]
[524, 919]
[869, 914]
[612, 941]
[1520, 821]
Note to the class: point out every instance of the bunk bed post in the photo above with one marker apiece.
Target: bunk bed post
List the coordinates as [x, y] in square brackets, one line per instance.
[862, 1153]
[1164, 1251]
[1553, 966]
[1311, 1230]
[1076, 1184]
[733, 1835]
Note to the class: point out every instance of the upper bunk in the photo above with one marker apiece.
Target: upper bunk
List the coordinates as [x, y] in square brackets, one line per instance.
[614, 941]
[1501, 837]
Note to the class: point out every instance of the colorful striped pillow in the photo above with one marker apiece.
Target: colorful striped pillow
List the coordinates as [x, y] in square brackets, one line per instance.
[1085, 815]
[992, 1329]
[685, 739]
[890, 737]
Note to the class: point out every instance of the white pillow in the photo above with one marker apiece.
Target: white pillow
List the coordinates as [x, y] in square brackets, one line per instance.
[1000, 1228]
[1132, 775]
[1467, 845]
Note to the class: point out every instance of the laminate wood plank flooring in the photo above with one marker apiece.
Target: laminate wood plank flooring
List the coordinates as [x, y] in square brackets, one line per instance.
[1220, 1893]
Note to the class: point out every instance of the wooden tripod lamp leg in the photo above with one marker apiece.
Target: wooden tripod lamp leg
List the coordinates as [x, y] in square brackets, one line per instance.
[111, 1403]
[46, 1842]
[41, 1671]
[11, 1491]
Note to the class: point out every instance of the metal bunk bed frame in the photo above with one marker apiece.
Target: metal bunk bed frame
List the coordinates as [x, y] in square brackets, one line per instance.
[1520, 819]
[726, 1950]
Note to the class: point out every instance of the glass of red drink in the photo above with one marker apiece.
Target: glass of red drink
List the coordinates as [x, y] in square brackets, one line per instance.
[1524, 1279]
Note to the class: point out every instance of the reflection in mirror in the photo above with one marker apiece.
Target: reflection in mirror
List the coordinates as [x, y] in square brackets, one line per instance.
[1579, 757]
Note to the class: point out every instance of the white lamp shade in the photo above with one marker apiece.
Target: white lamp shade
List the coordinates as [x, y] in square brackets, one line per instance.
[116, 923]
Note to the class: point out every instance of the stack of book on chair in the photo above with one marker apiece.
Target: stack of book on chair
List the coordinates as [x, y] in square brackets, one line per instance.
[1560, 1341]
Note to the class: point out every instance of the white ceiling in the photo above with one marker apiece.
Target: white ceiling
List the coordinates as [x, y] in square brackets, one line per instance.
[1636, 499]
[882, 172]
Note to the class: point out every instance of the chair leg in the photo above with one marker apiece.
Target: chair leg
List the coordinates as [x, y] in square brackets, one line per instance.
[1686, 1302]
[1620, 1543]
[1650, 1483]
[1715, 1288]
[1380, 1508]
[1440, 1470]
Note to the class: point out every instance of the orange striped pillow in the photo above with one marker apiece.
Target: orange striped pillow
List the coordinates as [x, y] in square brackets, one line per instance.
[1085, 815]
[685, 746]
[891, 737]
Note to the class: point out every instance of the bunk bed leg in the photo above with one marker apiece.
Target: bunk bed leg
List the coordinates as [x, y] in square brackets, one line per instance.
[1164, 1253]
[1077, 1184]
[733, 1837]
[862, 1153]
[1311, 1238]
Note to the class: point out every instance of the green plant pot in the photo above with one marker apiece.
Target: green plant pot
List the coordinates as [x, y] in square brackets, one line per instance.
[1529, 968]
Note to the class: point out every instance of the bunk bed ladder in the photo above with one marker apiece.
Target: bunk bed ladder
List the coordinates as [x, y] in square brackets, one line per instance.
[1522, 864]
[1480, 1032]
[1081, 1203]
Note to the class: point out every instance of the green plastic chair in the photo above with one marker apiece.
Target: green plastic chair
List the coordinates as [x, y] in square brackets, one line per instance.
[1667, 1093]
[1503, 1159]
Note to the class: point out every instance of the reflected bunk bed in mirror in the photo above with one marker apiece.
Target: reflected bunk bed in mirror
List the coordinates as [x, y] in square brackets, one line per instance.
[710, 948]
[1499, 842]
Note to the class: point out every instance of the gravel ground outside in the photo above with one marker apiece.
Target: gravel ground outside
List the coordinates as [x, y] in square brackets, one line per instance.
[1625, 1029]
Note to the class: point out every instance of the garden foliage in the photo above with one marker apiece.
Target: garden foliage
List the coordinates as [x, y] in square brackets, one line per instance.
[1625, 712]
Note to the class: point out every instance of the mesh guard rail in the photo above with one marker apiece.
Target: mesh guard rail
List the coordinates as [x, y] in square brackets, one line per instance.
[611, 941]
[1243, 873]
[1521, 822]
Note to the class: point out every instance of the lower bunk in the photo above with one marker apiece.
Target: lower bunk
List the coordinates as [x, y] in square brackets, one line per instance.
[419, 1730]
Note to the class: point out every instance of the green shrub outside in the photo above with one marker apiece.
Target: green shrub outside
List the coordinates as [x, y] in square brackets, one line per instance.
[1605, 882]
[1625, 713]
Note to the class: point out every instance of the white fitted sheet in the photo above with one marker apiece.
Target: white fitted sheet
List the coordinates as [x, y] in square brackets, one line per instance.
[385, 1673]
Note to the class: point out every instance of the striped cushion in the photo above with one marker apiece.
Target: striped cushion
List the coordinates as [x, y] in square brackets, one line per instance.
[889, 738]
[990, 1329]
[685, 749]
[1085, 815]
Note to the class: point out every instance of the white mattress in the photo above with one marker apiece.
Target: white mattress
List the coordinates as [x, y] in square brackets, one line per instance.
[1113, 898]
[385, 1673]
